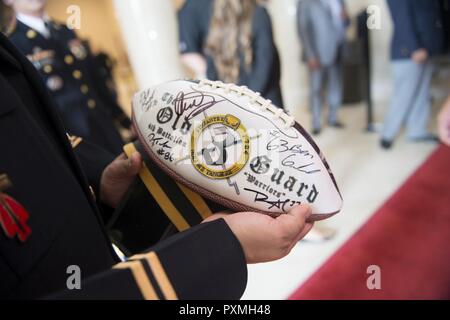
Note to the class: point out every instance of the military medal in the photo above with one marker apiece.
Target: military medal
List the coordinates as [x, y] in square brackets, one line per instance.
[54, 83]
[77, 49]
[31, 34]
[42, 59]
[13, 216]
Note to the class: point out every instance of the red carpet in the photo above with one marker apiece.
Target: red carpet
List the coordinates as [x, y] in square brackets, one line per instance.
[408, 238]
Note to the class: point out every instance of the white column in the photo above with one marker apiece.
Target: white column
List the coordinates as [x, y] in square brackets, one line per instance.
[150, 32]
[294, 80]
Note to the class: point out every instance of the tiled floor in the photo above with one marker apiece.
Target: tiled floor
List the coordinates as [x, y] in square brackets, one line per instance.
[366, 175]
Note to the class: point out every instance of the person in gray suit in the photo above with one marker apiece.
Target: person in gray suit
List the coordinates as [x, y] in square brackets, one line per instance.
[321, 26]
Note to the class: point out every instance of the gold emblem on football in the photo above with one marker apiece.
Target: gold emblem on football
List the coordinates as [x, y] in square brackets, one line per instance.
[220, 146]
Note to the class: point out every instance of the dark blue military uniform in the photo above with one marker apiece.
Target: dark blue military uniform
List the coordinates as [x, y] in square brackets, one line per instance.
[65, 65]
[102, 67]
[49, 176]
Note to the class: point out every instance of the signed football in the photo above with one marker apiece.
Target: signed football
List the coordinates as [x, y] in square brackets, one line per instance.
[233, 147]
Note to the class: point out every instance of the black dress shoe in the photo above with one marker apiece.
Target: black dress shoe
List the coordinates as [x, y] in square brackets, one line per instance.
[337, 124]
[385, 144]
[316, 131]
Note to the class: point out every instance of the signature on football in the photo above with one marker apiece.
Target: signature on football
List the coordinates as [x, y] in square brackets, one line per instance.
[193, 103]
[295, 156]
[276, 203]
[163, 146]
[147, 100]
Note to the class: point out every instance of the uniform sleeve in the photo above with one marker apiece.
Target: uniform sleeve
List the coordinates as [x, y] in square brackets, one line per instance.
[189, 29]
[100, 76]
[264, 55]
[204, 262]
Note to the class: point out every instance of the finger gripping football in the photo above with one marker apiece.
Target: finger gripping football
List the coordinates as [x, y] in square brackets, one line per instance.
[233, 147]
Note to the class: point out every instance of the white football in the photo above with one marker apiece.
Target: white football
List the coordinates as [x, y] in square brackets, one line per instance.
[233, 147]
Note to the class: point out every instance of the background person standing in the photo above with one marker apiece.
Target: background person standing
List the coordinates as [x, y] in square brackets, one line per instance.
[231, 41]
[65, 64]
[321, 26]
[418, 36]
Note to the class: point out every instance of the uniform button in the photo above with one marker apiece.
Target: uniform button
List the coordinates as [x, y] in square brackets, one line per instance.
[77, 74]
[31, 34]
[48, 68]
[84, 89]
[91, 103]
[68, 59]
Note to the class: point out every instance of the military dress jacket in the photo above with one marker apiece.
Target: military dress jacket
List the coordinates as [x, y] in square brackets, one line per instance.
[51, 225]
[65, 64]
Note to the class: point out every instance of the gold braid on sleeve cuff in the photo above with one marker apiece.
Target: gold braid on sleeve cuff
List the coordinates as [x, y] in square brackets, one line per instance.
[150, 276]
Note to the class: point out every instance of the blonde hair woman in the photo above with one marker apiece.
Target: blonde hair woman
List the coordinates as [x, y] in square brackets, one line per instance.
[231, 40]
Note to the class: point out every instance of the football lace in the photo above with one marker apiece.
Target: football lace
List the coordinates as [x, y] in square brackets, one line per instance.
[255, 99]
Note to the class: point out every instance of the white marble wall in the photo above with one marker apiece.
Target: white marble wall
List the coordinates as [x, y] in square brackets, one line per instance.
[294, 80]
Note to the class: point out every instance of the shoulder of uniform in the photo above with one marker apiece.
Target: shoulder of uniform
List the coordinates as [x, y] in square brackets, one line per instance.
[61, 27]
[19, 32]
[58, 24]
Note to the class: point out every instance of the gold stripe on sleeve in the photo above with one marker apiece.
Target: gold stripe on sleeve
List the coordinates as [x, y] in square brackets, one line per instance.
[159, 274]
[140, 277]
